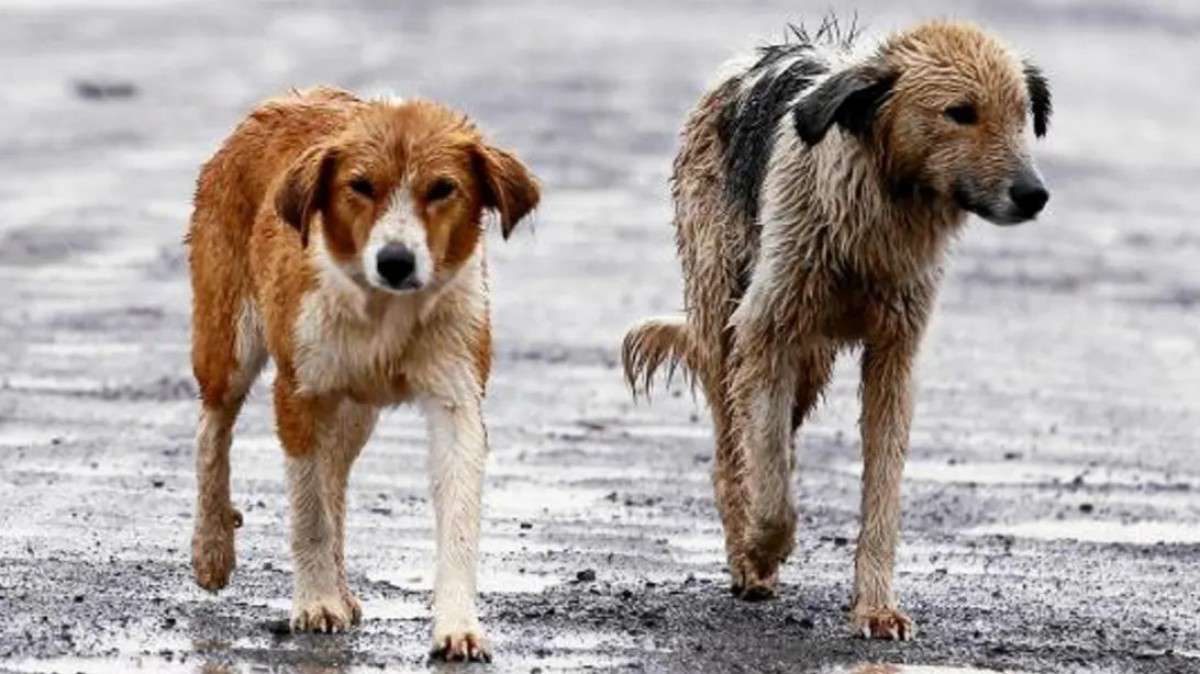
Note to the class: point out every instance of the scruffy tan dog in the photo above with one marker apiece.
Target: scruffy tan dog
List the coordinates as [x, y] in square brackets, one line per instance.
[343, 238]
[815, 194]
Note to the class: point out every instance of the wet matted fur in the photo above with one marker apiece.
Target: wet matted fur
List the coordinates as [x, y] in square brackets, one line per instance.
[342, 238]
[816, 191]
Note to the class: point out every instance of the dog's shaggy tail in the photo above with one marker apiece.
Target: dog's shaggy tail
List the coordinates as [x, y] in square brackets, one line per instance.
[649, 345]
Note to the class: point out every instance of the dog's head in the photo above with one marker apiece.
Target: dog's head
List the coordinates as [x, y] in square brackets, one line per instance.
[401, 194]
[949, 111]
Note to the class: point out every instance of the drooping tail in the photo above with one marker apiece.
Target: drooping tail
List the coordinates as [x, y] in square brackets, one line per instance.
[649, 345]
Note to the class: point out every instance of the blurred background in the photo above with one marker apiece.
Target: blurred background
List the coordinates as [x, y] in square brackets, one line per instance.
[1052, 517]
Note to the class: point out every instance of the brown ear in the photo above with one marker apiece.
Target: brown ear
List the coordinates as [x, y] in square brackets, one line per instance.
[509, 188]
[305, 189]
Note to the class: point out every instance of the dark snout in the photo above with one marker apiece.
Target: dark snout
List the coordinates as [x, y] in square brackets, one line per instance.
[396, 264]
[1028, 195]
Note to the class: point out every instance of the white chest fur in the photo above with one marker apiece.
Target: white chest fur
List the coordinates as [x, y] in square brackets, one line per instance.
[342, 342]
[350, 338]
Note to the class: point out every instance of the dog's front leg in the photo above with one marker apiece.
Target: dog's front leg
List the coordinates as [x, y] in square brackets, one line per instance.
[317, 603]
[458, 451]
[321, 439]
[886, 417]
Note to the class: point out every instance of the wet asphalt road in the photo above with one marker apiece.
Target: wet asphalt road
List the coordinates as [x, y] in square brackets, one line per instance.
[1052, 519]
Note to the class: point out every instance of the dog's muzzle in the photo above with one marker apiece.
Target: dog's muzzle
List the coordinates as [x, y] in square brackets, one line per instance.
[396, 265]
[1029, 196]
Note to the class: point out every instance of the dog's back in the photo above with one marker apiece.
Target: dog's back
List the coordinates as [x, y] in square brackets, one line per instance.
[725, 152]
[238, 177]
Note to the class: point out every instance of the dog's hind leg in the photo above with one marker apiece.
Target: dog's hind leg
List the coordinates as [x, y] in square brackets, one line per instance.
[728, 491]
[762, 391]
[886, 417]
[227, 354]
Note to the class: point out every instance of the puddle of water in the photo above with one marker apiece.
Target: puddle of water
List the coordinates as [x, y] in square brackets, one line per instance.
[55, 384]
[107, 665]
[696, 432]
[578, 651]
[697, 548]
[1090, 531]
[507, 582]
[1016, 473]
[12, 435]
[91, 350]
[132, 657]
[490, 582]
[395, 609]
[570, 651]
[553, 472]
[989, 473]
[515, 499]
[373, 609]
[158, 664]
[916, 669]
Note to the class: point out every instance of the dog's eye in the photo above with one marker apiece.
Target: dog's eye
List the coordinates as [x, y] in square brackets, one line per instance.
[363, 187]
[964, 114]
[440, 189]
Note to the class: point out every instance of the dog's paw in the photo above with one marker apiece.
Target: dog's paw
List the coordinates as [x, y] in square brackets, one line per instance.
[768, 543]
[213, 556]
[748, 584]
[353, 605]
[323, 614]
[882, 622]
[460, 640]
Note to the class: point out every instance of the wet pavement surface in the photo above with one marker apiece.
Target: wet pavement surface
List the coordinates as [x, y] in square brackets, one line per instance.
[1052, 516]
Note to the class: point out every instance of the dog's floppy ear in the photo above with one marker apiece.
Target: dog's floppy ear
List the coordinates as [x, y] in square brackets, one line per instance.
[508, 186]
[1039, 98]
[850, 98]
[305, 188]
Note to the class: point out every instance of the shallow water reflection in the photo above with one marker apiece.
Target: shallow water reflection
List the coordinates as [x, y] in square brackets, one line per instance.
[1089, 531]
[916, 669]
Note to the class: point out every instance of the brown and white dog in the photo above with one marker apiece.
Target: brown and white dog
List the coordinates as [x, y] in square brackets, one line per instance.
[343, 238]
[815, 194]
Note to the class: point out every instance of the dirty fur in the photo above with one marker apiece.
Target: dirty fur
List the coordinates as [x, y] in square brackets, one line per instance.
[816, 192]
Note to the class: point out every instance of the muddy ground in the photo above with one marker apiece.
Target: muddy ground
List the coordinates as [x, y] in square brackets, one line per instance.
[1052, 519]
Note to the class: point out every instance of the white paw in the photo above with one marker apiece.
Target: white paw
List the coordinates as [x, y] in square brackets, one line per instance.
[323, 614]
[882, 622]
[460, 639]
[352, 604]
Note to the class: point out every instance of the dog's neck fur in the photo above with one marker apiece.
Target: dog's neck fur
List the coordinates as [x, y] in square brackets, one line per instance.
[863, 226]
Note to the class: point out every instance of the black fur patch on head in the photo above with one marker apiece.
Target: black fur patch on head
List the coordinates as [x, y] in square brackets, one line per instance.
[748, 123]
[1039, 98]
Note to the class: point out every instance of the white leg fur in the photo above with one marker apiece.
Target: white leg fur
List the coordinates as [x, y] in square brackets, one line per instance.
[316, 601]
[458, 452]
[213, 556]
[322, 600]
[766, 446]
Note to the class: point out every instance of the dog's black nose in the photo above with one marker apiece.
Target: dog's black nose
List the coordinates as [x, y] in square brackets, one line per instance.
[396, 263]
[1030, 197]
